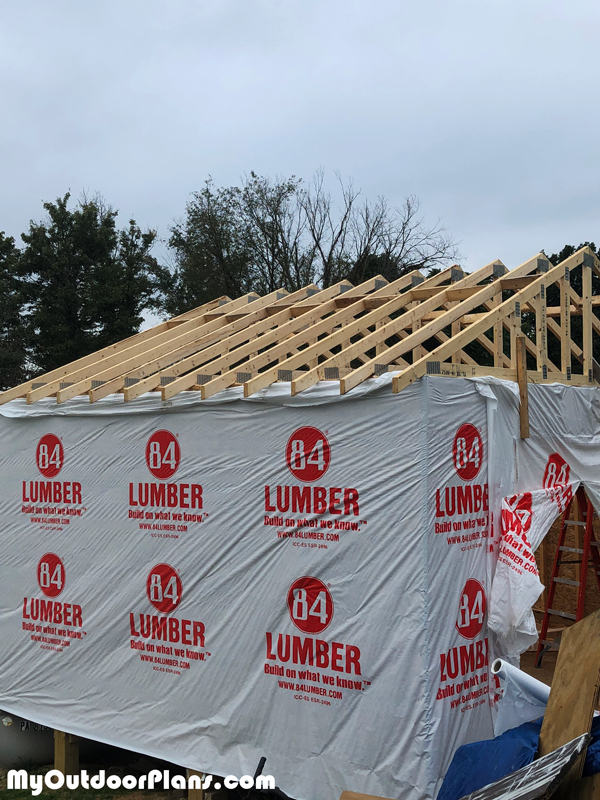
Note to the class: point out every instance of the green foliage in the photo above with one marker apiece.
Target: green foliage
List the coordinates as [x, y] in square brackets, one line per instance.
[127, 286]
[13, 368]
[211, 252]
[85, 283]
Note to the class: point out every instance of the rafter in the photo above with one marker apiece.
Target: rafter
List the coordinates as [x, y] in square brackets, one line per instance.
[351, 333]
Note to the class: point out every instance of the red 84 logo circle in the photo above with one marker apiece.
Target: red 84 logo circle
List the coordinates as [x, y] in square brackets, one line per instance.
[308, 454]
[51, 574]
[310, 604]
[49, 455]
[557, 472]
[467, 452]
[471, 609]
[163, 454]
[164, 589]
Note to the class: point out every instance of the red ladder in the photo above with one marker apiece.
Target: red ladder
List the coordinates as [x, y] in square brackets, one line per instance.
[591, 549]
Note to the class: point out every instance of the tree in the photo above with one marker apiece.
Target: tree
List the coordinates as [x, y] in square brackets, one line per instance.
[13, 354]
[125, 286]
[210, 249]
[86, 283]
[267, 234]
[361, 240]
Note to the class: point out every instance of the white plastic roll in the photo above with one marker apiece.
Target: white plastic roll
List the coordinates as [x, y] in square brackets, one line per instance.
[535, 689]
[523, 698]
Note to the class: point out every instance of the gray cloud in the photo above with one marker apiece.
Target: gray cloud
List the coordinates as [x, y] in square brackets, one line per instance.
[486, 110]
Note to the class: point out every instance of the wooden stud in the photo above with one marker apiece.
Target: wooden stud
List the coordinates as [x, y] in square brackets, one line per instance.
[66, 752]
[587, 313]
[541, 330]
[522, 381]
[459, 356]
[515, 334]
[417, 352]
[196, 792]
[565, 322]
[498, 351]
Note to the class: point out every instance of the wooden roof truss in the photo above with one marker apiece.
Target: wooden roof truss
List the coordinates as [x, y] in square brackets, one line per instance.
[411, 327]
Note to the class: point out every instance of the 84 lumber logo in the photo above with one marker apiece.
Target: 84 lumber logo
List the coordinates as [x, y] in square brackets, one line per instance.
[184, 639]
[308, 658]
[162, 504]
[52, 623]
[308, 456]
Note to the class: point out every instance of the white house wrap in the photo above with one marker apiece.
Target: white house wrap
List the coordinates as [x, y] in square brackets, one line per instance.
[309, 579]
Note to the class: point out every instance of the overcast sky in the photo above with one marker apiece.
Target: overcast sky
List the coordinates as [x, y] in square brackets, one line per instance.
[487, 110]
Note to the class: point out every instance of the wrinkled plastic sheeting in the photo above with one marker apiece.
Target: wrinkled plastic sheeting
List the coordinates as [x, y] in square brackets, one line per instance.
[540, 779]
[524, 698]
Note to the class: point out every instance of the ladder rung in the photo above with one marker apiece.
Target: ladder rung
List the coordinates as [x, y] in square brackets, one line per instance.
[572, 550]
[595, 544]
[554, 645]
[562, 614]
[567, 581]
[574, 522]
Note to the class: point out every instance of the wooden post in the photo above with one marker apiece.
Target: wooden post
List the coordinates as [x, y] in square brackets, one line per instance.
[565, 323]
[541, 331]
[379, 348]
[514, 322]
[195, 793]
[66, 752]
[586, 298]
[498, 349]
[456, 327]
[522, 380]
[418, 352]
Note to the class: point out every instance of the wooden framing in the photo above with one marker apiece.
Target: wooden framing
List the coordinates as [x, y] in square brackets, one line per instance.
[66, 752]
[448, 324]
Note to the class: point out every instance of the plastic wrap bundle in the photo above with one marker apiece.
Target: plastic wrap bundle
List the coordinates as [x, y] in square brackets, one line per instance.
[523, 698]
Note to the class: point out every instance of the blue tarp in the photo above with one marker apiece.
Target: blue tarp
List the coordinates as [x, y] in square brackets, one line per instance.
[481, 763]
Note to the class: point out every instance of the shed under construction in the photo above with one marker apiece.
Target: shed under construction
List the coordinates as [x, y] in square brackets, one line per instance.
[297, 549]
